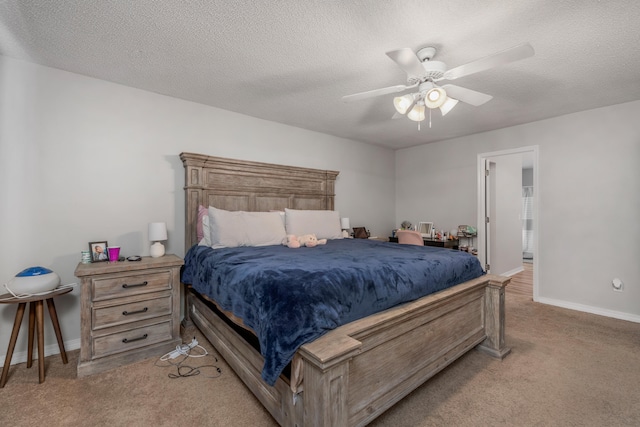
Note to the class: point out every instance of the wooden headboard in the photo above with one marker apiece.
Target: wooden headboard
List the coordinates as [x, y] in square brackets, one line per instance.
[240, 185]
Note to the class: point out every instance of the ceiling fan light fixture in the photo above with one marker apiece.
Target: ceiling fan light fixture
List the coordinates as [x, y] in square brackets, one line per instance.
[417, 113]
[435, 97]
[448, 105]
[403, 103]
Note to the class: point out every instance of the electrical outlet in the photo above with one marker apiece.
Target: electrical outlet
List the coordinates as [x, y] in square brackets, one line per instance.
[617, 285]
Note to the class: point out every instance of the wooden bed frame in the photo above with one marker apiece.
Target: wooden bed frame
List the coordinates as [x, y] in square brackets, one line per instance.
[354, 373]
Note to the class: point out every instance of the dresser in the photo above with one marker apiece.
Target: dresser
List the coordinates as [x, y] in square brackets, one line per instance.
[449, 244]
[129, 311]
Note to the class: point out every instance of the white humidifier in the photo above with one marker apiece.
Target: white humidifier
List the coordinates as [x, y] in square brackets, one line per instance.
[33, 280]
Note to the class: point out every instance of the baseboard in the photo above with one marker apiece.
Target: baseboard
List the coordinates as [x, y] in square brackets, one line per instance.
[589, 309]
[514, 271]
[21, 357]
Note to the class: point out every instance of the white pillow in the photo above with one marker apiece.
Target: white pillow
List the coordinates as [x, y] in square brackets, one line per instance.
[229, 229]
[324, 224]
[281, 215]
[206, 232]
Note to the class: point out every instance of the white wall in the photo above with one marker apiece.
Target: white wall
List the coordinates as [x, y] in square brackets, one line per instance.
[85, 160]
[589, 198]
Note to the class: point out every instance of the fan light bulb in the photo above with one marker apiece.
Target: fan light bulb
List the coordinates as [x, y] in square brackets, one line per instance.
[435, 97]
[448, 105]
[417, 113]
[402, 103]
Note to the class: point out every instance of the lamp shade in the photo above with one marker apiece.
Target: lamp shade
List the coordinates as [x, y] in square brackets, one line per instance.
[403, 103]
[417, 113]
[157, 231]
[344, 223]
[448, 105]
[435, 97]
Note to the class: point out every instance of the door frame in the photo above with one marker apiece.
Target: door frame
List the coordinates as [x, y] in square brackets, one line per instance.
[481, 238]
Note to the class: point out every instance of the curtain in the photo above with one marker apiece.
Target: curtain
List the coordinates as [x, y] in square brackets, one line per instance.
[527, 222]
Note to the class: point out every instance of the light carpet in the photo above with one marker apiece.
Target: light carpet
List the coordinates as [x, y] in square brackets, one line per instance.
[566, 368]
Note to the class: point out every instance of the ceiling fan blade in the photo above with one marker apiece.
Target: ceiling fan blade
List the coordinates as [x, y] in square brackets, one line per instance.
[504, 57]
[408, 61]
[397, 115]
[467, 96]
[376, 92]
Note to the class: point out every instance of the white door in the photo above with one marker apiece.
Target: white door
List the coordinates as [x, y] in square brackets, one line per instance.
[489, 207]
[503, 214]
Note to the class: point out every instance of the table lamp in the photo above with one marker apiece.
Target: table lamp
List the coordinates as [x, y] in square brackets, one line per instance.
[157, 233]
[345, 226]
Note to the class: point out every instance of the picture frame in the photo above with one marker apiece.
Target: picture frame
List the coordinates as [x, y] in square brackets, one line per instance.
[99, 251]
[425, 228]
[360, 233]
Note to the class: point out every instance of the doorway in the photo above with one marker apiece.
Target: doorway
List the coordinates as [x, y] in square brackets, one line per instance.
[489, 246]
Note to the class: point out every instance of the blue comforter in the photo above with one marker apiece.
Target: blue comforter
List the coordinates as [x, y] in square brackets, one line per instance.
[292, 296]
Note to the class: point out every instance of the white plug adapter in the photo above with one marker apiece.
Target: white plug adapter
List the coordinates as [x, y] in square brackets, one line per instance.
[183, 349]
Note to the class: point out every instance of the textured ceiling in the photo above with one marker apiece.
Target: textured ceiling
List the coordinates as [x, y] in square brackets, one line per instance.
[291, 61]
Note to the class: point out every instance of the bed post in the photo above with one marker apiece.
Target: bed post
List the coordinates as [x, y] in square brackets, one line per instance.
[494, 308]
[326, 380]
[193, 184]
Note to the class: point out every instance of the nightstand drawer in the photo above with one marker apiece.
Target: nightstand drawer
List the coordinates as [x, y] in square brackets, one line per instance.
[131, 339]
[131, 284]
[131, 312]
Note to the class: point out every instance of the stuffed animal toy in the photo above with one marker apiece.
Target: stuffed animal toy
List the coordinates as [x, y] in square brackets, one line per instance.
[308, 240]
[291, 241]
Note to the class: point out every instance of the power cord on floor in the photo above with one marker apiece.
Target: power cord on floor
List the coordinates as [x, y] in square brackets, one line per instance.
[184, 350]
[182, 353]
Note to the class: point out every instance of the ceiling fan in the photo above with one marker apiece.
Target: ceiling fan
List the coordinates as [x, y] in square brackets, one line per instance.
[423, 73]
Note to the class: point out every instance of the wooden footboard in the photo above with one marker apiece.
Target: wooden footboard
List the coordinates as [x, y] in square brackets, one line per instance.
[357, 371]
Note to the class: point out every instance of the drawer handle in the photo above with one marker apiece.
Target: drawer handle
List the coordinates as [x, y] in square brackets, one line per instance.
[135, 285]
[129, 313]
[126, 340]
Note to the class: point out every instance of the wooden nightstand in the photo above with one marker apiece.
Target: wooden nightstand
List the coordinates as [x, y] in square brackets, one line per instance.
[129, 311]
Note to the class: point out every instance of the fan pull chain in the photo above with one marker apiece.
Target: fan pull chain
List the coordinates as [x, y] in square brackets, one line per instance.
[429, 118]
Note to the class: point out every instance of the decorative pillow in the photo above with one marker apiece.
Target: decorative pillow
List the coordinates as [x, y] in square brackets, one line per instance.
[229, 229]
[324, 224]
